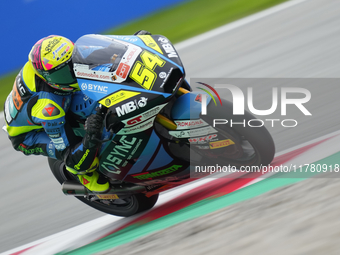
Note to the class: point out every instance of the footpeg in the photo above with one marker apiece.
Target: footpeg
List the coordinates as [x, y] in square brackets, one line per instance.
[72, 188]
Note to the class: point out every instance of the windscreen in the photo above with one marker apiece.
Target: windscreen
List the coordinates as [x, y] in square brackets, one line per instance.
[99, 53]
[105, 66]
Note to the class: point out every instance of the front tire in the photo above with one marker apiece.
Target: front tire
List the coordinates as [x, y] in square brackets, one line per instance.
[119, 207]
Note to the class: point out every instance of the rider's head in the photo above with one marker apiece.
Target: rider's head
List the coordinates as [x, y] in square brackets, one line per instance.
[51, 59]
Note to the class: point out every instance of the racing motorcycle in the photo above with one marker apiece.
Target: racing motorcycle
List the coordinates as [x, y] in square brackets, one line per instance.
[154, 129]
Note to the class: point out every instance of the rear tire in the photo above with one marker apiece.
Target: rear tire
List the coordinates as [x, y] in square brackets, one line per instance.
[121, 207]
[254, 146]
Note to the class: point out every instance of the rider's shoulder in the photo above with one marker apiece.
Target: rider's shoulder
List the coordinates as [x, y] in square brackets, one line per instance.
[47, 109]
[27, 78]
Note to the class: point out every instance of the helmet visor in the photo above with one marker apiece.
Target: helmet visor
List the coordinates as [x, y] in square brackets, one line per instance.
[63, 76]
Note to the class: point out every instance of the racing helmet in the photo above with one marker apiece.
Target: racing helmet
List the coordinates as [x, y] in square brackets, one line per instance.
[51, 59]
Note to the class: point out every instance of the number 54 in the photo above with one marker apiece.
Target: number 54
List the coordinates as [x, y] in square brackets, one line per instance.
[143, 73]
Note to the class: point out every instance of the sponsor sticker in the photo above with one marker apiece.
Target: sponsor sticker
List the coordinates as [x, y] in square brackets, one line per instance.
[203, 147]
[94, 75]
[121, 153]
[50, 44]
[117, 97]
[138, 128]
[150, 42]
[130, 55]
[134, 120]
[56, 130]
[18, 103]
[77, 166]
[123, 70]
[56, 54]
[220, 144]
[168, 48]
[131, 106]
[58, 140]
[143, 116]
[94, 88]
[165, 76]
[162, 75]
[83, 71]
[162, 172]
[187, 124]
[203, 139]
[108, 196]
[26, 151]
[193, 132]
[50, 153]
[59, 143]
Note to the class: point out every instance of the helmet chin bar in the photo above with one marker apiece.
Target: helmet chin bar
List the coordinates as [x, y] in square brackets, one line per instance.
[68, 89]
[75, 86]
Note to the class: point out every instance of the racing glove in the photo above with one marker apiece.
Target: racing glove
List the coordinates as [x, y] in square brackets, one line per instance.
[93, 127]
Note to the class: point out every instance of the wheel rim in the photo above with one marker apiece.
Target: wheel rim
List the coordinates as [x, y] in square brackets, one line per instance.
[125, 203]
[239, 153]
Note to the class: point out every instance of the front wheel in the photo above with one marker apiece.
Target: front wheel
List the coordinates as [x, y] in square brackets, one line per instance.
[120, 207]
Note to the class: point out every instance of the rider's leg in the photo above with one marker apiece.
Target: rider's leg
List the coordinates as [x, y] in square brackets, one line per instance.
[34, 143]
[38, 143]
[90, 178]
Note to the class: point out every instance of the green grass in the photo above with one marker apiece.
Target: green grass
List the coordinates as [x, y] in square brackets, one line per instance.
[177, 23]
[194, 17]
[6, 85]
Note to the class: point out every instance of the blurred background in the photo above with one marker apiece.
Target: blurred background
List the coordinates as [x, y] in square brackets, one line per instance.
[301, 41]
[24, 22]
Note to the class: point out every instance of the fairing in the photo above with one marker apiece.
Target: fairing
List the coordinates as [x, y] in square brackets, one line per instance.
[134, 77]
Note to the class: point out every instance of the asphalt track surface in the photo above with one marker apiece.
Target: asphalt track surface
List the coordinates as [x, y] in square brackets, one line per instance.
[281, 221]
[300, 42]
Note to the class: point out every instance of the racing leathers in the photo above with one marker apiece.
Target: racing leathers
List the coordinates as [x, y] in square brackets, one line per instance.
[35, 115]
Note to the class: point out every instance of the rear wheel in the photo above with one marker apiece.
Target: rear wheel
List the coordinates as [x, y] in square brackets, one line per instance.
[237, 145]
[126, 206]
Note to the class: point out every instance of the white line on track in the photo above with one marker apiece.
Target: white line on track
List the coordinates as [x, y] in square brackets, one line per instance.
[237, 24]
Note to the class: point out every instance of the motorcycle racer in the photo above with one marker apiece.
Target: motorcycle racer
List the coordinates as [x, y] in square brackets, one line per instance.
[36, 110]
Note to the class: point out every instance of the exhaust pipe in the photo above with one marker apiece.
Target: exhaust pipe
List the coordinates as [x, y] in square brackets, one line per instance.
[72, 188]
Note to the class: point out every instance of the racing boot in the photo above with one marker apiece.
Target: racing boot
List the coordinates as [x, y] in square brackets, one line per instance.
[91, 179]
[94, 182]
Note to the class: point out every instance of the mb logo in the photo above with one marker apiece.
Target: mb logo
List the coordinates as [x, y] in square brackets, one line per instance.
[239, 99]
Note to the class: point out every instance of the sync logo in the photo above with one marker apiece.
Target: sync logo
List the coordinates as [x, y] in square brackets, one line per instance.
[94, 87]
